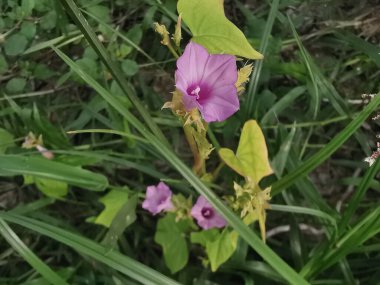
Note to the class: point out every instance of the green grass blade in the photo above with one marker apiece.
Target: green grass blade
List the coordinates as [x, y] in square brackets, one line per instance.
[113, 68]
[318, 158]
[246, 233]
[119, 34]
[359, 194]
[315, 98]
[368, 227]
[113, 259]
[255, 78]
[371, 50]
[17, 244]
[11, 165]
[282, 104]
[303, 210]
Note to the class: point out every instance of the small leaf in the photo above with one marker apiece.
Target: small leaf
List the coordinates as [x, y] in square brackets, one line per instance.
[15, 44]
[113, 202]
[203, 237]
[51, 188]
[100, 12]
[169, 235]
[6, 140]
[211, 28]
[251, 159]
[123, 219]
[28, 29]
[15, 85]
[27, 7]
[219, 245]
[130, 67]
[220, 250]
[49, 20]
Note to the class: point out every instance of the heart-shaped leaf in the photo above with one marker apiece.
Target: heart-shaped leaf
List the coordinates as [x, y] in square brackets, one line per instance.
[251, 159]
[211, 28]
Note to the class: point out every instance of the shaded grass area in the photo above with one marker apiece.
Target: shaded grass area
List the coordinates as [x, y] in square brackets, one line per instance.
[306, 95]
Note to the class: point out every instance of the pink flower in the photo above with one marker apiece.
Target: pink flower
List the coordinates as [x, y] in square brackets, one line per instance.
[45, 152]
[158, 198]
[207, 82]
[206, 215]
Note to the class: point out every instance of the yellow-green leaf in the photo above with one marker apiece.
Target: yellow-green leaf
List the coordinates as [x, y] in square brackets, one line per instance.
[251, 159]
[113, 202]
[211, 29]
[221, 249]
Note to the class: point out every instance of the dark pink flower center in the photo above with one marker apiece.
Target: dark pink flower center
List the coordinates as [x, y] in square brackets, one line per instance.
[199, 91]
[207, 213]
[162, 200]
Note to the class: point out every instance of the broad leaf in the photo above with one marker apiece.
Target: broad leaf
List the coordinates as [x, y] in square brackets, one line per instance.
[113, 201]
[211, 28]
[203, 237]
[251, 159]
[51, 188]
[220, 250]
[219, 245]
[170, 236]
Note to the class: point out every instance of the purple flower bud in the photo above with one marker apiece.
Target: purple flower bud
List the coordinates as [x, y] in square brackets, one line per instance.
[158, 198]
[206, 215]
[207, 82]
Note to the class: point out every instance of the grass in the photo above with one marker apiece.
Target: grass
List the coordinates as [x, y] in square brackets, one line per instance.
[93, 84]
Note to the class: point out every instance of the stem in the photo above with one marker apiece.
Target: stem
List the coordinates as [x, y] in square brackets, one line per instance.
[217, 170]
[198, 163]
[172, 50]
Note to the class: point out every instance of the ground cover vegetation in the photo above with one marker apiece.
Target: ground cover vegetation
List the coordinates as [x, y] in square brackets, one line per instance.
[234, 144]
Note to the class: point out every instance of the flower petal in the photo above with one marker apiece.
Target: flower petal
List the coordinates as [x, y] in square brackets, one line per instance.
[222, 103]
[193, 62]
[220, 70]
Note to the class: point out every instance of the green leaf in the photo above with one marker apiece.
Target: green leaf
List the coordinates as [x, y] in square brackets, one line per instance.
[203, 237]
[6, 140]
[123, 219]
[251, 159]
[28, 29]
[27, 7]
[130, 67]
[101, 12]
[40, 167]
[15, 44]
[52, 188]
[219, 245]
[221, 249]
[211, 28]
[169, 235]
[49, 20]
[89, 66]
[15, 85]
[113, 201]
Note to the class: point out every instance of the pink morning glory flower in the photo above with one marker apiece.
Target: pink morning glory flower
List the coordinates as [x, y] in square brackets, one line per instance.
[207, 82]
[206, 215]
[158, 198]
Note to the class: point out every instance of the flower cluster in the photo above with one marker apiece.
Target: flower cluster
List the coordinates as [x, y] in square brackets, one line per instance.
[160, 199]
